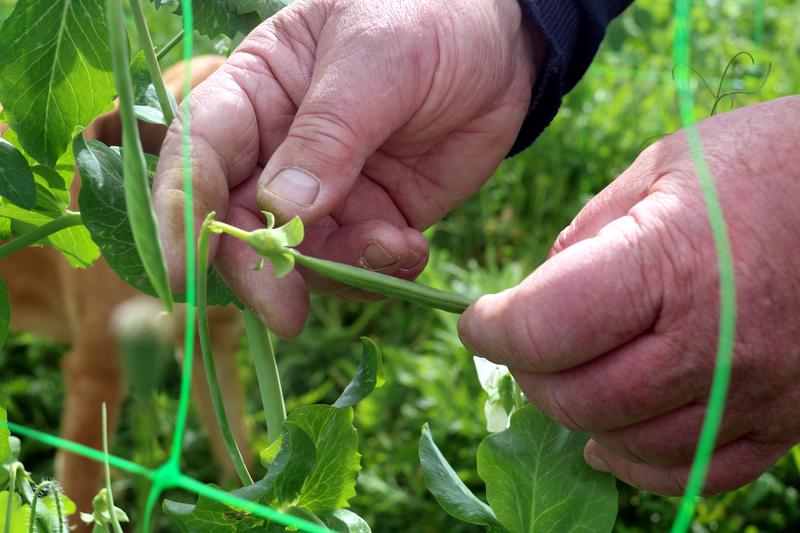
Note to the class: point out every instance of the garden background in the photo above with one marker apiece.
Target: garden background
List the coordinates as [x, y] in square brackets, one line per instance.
[625, 102]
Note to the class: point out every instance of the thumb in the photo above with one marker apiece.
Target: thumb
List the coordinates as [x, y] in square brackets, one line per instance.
[583, 302]
[348, 111]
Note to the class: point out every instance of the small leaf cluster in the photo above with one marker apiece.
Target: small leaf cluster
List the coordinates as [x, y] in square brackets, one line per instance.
[311, 468]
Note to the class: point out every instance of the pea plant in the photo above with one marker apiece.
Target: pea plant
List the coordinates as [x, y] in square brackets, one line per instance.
[52, 85]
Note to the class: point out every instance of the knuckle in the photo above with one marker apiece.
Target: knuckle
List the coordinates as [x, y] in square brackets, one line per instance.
[563, 410]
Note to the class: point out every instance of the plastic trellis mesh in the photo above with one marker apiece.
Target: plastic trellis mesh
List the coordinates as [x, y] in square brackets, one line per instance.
[169, 475]
[727, 289]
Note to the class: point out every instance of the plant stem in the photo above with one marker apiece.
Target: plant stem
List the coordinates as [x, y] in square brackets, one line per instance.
[12, 484]
[169, 46]
[231, 230]
[146, 43]
[392, 287]
[57, 499]
[109, 494]
[208, 357]
[269, 381]
[65, 221]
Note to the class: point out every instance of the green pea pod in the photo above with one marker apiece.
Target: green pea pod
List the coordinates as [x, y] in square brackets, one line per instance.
[391, 287]
[137, 190]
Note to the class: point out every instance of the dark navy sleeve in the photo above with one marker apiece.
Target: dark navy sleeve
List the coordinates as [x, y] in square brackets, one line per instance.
[573, 29]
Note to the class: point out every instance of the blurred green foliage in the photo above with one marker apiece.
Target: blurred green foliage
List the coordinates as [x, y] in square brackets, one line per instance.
[625, 102]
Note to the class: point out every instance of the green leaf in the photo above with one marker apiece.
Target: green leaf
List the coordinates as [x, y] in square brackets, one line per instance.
[62, 81]
[369, 376]
[264, 8]
[228, 17]
[139, 204]
[47, 514]
[293, 231]
[146, 105]
[345, 521]
[280, 486]
[536, 478]
[452, 494]
[16, 178]
[5, 320]
[102, 201]
[21, 514]
[294, 461]
[64, 168]
[282, 263]
[5, 446]
[75, 242]
[209, 516]
[331, 483]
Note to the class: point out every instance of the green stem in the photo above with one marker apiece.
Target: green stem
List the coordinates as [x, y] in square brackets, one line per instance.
[146, 43]
[389, 286]
[59, 508]
[12, 490]
[233, 231]
[208, 357]
[65, 221]
[109, 494]
[169, 46]
[269, 381]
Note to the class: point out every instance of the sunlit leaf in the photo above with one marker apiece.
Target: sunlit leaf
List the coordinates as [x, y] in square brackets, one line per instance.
[55, 73]
[537, 481]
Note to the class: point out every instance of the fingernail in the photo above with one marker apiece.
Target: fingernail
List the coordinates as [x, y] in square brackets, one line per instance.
[295, 185]
[412, 260]
[597, 463]
[375, 257]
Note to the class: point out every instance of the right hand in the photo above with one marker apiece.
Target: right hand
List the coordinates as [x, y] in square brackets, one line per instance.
[396, 112]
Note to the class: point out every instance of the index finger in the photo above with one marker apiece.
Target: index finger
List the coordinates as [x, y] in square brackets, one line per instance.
[224, 152]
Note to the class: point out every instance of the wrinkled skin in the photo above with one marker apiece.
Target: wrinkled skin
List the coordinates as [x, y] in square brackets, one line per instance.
[615, 334]
[398, 111]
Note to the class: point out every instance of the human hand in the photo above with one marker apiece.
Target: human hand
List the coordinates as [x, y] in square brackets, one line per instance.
[615, 334]
[395, 111]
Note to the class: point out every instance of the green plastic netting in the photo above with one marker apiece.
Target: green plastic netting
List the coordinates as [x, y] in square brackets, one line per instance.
[169, 475]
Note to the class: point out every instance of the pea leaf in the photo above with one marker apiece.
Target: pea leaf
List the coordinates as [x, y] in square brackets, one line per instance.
[210, 516]
[5, 446]
[75, 242]
[102, 201]
[294, 461]
[452, 494]
[282, 484]
[331, 484]
[21, 514]
[264, 8]
[369, 376]
[62, 81]
[16, 178]
[536, 478]
[146, 105]
[345, 521]
[5, 320]
[58, 177]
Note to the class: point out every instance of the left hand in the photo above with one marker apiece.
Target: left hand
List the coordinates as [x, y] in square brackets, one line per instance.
[616, 333]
